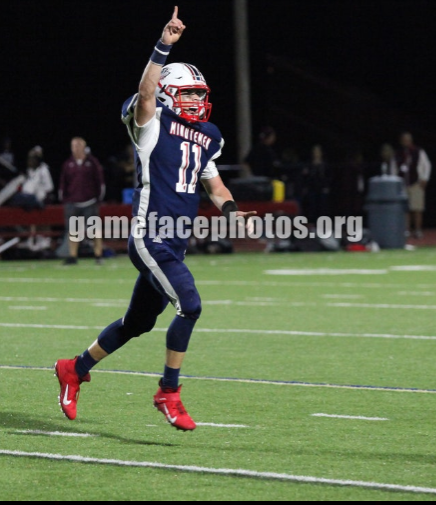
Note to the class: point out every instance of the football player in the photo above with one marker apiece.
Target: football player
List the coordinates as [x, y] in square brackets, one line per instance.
[175, 149]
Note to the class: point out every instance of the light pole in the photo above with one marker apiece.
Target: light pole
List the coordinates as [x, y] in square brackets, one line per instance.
[242, 65]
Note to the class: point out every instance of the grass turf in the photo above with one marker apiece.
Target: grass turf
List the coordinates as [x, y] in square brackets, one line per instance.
[334, 327]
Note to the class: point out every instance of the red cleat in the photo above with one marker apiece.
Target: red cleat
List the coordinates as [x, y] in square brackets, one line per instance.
[171, 406]
[70, 386]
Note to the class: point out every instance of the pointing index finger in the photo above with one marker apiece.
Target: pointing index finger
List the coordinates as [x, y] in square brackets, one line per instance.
[176, 12]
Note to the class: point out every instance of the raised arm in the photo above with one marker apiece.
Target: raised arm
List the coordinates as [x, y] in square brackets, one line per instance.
[146, 104]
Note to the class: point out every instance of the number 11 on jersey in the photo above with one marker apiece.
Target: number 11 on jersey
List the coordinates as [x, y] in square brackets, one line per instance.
[182, 186]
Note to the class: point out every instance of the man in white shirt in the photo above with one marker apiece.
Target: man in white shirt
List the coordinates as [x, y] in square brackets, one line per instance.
[415, 167]
[38, 183]
[38, 178]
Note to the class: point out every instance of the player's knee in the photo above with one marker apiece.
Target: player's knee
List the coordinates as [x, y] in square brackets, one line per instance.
[191, 309]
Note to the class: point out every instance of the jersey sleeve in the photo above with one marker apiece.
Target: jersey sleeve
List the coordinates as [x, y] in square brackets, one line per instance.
[210, 171]
[219, 151]
[139, 135]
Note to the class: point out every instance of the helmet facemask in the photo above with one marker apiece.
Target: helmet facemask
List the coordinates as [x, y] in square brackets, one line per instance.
[193, 110]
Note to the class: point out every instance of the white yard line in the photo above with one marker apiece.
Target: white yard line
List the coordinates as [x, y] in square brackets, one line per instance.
[292, 333]
[417, 293]
[36, 280]
[295, 284]
[263, 299]
[50, 326]
[107, 305]
[310, 333]
[213, 425]
[350, 271]
[359, 418]
[55, 433]
[239, 303]
[414, 268]
[382, 306]
[347, 296]
[241, 381]
[285, 284]
[325, 271]
[61, 300]
[223, 472]
[123, 303]
[26, 307]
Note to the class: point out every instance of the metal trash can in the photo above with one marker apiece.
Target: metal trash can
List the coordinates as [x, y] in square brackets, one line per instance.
[387, 205]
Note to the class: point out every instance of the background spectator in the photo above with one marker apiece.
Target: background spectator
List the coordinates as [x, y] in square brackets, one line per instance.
[415, 167]
[388, 160]
[316, 182]
[119, 174]
[351, 186]
[291, 173]
[263, 160]
[128, 165]
[38, 184]
[114, 178]
[81, 189]
[6, 153]
[38, 178]
[31, 191]
[8, 172]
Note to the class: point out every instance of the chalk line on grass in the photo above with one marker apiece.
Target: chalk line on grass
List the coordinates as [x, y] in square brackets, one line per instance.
[55, 433]
[358, 418]
[242, 381]
[232, 331]
[303, 479]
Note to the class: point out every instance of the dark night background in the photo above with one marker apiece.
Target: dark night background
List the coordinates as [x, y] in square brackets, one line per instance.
[349, 74]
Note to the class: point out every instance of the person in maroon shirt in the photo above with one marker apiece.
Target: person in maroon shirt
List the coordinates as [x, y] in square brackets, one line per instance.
[81, 188]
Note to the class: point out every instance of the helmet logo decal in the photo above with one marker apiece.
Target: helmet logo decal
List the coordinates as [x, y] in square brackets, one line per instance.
[165, 73]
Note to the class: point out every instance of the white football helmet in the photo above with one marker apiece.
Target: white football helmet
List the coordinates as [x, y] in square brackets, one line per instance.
[183, 89]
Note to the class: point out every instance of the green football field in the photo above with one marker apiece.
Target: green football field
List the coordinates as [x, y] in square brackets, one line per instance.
[311, 376]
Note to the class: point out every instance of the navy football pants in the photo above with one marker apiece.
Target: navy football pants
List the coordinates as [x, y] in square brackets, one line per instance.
[163, 278]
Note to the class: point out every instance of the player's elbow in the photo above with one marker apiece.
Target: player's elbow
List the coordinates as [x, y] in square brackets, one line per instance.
[144, 99]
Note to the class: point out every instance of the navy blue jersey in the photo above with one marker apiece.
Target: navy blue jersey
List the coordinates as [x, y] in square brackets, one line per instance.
[172, 157]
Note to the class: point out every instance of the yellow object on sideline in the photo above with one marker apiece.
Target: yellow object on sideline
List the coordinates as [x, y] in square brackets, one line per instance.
[278, 191]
